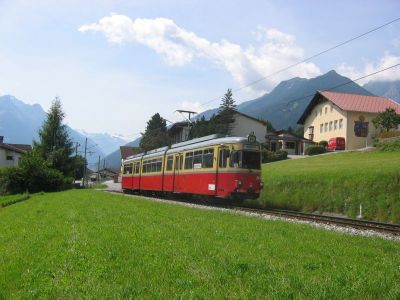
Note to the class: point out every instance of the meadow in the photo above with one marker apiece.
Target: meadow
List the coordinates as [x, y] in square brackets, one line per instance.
[337, 183]
[90, 244]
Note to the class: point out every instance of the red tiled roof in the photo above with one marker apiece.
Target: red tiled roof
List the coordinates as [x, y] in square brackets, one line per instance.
[19, 148]
[361, 103]
[22, 147]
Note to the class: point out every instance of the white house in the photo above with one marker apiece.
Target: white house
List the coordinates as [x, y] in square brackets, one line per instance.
[10, 154]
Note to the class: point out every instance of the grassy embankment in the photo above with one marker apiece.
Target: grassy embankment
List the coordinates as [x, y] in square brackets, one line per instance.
[86, 243]
[337, 183]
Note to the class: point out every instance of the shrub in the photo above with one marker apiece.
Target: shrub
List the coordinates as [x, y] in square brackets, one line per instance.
[32, 175]
[270, 156]
[323, 144]
[314, 150]
[388, 145]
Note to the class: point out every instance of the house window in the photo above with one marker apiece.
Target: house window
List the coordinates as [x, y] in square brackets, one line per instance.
[326, 110]
[326, 127]
[330, 125]
[10, 157]
[331, 108]
[321, 128]
[335, 125]
[340, 123]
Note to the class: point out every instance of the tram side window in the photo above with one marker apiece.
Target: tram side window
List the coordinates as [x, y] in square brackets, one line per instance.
[158, 164]
[189, 160]
[137, 167]
[208, 158]
[170, 162]
[223, 156]
[198, 159]
[125, 169]
[130, 168]
[181, 161]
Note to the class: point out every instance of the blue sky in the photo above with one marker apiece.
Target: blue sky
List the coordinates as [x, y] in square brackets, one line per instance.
[115, 63]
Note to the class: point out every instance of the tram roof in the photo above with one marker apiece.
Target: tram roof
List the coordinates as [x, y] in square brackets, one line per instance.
[210, 140]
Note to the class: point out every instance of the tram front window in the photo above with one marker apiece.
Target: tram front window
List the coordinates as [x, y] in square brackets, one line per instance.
[245, 160]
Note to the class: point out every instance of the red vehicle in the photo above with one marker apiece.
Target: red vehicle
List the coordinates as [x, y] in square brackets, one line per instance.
[226, 167]
[336, 143]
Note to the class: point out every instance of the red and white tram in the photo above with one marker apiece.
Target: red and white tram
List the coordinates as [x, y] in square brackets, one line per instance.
[226, 167]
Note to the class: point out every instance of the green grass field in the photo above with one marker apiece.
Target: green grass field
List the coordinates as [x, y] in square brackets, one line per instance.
[90, 244]
[337, 183]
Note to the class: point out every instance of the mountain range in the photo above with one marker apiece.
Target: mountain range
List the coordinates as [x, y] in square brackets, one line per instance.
[286, 102]
[20, 122]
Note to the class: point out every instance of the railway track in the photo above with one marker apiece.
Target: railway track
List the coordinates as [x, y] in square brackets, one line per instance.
[393, 229]
[387, 228]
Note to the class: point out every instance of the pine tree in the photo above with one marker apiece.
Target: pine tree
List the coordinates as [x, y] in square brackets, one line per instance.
[155, 135]
[226, 112]
[55, 145]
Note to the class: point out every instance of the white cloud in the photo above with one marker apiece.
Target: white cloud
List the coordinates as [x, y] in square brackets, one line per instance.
[179, 47]
[384, 62]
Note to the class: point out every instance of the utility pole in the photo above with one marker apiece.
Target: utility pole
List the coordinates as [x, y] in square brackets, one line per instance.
[98, 170]
[76, 155]
[104, 168]
[84, 165]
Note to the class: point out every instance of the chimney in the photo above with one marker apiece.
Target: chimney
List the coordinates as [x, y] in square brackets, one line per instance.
[1, 139]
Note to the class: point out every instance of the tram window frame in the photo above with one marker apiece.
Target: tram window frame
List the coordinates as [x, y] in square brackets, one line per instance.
[131, 168]
[189, 160]
[223, 158]
[208, 158]
[198, 159]
[170, 163]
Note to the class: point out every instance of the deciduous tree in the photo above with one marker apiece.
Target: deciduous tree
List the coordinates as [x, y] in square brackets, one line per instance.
[387, 120]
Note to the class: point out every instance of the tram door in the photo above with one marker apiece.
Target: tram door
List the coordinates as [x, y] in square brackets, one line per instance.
[223, 154]
[178, 166]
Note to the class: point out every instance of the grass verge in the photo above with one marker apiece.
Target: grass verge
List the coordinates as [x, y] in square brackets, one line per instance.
[337, 183]
[89, 244]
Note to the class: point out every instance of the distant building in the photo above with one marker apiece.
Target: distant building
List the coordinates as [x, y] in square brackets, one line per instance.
[179, 132]
[243, 125]
[10, 154]
[128, 151]
[283, 140]
[333, 114]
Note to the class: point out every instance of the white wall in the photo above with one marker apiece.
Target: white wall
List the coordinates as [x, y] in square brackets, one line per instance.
[244, 126]
[9, 163]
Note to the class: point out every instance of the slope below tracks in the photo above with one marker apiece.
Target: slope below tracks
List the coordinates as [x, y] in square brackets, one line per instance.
[341, 224]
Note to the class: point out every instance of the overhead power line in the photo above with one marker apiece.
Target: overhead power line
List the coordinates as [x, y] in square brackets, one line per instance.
[333, 87]
[309, 58]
